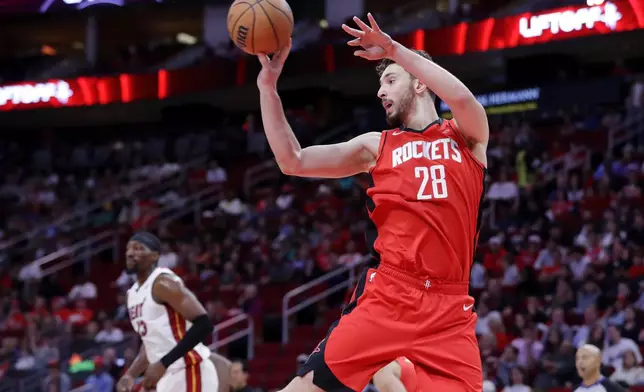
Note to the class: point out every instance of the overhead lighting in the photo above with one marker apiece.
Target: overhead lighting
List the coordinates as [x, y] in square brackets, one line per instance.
[324, 24]
[186, 39]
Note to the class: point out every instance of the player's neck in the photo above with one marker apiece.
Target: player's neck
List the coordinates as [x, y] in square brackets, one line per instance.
[141, 277]
[421, 115]
[590, 380]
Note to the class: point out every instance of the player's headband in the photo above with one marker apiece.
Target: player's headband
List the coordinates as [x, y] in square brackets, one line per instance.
[149, 240]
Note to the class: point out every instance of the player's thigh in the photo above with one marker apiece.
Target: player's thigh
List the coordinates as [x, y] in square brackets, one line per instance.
[302, 384]
[367, 337]
[209, 377]
[446, 354]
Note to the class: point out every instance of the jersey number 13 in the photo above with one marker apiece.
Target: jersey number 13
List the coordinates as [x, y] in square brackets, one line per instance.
[434, 174]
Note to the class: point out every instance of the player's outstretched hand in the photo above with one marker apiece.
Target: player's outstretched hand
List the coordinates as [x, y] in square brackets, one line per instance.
[272, 66]
[125, 384]
[152, 375]
[375, 43]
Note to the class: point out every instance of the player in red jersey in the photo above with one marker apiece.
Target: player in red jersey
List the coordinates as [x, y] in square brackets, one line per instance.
[427, 185]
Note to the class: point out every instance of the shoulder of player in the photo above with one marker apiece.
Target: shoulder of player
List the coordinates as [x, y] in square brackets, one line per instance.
[166, 285]
[611, 386]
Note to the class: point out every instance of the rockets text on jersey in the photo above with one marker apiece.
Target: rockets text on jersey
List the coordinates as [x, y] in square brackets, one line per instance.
[424, 202]
[159, 326]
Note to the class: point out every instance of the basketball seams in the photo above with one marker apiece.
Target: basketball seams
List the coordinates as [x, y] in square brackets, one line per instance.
[250, 7]
[268, 17]
[281, 10]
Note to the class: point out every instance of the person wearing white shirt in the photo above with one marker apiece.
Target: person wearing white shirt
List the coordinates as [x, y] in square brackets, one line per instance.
[30, 271]
[617, 347]
[518, 384]
[528, 347]
[167, 258]
[477, 275]
[86, 290]
[109, 334]
[484, 317]
[216, 174]
[631, 372]
[503, 189]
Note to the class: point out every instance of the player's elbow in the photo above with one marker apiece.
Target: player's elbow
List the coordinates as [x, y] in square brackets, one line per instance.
[290, 166]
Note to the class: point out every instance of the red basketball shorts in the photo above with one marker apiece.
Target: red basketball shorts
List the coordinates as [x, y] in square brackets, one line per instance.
[392, 315]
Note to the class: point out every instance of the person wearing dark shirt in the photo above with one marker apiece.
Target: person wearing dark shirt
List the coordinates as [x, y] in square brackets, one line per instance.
[239, 377]
[588, 363]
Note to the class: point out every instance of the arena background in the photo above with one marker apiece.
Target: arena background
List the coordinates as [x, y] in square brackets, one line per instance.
[123, 115]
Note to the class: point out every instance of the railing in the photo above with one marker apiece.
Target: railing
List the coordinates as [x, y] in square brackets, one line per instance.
[109, 240]
[80, 251]
[248, 331]
[81, 216]
[264, 171]
[626, 131]
[348, 284]
[194, 204]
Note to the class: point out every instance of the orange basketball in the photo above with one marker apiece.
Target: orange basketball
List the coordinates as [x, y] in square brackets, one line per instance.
[260, 26]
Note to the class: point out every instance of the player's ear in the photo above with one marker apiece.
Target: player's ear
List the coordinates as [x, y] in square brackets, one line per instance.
[419, 87]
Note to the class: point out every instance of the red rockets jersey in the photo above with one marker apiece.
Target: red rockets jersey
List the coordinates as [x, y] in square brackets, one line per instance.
[425, 197]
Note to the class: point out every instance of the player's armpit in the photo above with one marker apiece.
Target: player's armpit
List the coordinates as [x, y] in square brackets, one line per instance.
[355, 156]
[476, 144]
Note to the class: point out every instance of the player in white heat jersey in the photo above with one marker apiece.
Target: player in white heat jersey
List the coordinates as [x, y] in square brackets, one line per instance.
[172, 324]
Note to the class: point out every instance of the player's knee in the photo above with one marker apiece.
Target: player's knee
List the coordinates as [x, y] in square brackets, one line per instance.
[387, 378]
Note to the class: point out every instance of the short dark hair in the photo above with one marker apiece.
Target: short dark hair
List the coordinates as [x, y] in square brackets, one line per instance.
[384, 63]
[244, 364]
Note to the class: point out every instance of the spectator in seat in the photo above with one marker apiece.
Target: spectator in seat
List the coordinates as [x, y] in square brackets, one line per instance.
[630, 328]
[588, 296]
[631, 372]
[109, 333]
[617, 347]
[239, 377]
[492, 261]
[503, 189]
[583, 332]
[529, 347]
[167, 258]
[83, 289]
[484, 316]
[216, 174]
[518, 382]
[56, 381]
[231, 205]
[506, 364]
[100, 380]
[81, 314]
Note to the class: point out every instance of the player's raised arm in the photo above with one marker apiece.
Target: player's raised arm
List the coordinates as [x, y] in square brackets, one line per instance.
[332, 161]
[169, 290]
[468, 112]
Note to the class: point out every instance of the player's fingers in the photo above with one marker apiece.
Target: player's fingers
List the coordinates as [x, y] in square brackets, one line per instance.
[361, 24]
[372, 22]
[263, 59]
[351, 31]
[354, 42]
[282, 55]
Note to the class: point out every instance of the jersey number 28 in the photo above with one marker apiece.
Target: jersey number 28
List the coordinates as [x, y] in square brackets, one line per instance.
[435, 174]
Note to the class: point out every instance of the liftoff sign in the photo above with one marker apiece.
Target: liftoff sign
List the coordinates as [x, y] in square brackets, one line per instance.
[569, 21]
[31, 93]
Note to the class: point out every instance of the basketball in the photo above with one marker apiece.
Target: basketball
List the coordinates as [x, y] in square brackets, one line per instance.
[260, 26]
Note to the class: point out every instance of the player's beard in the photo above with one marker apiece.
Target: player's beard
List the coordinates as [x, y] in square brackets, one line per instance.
[399, 115]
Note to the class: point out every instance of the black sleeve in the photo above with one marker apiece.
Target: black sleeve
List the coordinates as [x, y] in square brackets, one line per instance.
[611, 386]
[201, 327]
